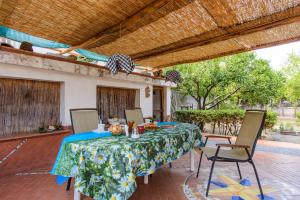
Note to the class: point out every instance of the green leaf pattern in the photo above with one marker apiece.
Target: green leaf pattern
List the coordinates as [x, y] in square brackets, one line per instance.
[106, 168]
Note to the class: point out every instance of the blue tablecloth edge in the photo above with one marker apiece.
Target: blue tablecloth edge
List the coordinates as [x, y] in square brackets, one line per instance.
[166, 123]
[72, 138]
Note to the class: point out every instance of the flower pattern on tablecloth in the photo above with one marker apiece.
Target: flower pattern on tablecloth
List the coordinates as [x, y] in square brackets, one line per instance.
[106, 168]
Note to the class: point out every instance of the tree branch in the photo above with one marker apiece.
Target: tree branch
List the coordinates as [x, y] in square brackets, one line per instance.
[223, 99]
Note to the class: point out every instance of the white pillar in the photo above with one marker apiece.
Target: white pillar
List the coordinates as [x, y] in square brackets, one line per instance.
[146, 179]
[192, 159]
[76, 194]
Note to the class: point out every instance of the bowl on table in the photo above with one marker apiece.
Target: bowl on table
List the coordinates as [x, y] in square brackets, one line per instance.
[115, 129]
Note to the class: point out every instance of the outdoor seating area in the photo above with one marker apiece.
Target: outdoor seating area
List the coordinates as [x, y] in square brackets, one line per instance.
[150, 99]
[119, 159]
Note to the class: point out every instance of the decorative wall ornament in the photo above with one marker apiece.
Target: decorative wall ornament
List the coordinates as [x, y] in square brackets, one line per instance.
[101, 73]
[77, 69]
[147, 92]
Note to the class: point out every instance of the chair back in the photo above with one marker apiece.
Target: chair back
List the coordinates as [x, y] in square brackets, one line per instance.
[135, 115]
[251, 129]
[84, 119]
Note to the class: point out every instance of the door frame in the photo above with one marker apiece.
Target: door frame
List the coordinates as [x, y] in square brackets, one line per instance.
[162, 100]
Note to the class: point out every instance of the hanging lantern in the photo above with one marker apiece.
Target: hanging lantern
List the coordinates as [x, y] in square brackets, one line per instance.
[173, 76]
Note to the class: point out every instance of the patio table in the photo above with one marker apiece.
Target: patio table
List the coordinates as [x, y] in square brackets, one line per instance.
[106, 168]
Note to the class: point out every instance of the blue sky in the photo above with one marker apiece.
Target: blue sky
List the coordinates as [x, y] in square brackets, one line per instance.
[278, 55]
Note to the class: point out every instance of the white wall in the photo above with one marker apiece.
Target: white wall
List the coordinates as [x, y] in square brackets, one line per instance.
[168, 93]
[77, 91]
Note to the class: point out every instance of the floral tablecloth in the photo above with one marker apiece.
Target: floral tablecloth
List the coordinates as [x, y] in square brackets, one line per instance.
[106, 168]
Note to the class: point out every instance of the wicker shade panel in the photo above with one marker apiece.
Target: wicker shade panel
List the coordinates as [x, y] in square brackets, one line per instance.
[242, 43]
[192, 54]
[229, 12]
[70, 22]
[271, 35]
[192, 20]
[246, 10]
[157, 33]
[188, 21]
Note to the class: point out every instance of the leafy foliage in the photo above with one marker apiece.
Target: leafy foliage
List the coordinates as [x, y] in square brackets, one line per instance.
[293, 88]
[298, 116]
[292, 73]
[230, 118]
[238, 78]
[292, 66]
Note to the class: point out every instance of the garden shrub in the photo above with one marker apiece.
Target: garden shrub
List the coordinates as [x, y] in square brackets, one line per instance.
[229, 119]
[298, 116]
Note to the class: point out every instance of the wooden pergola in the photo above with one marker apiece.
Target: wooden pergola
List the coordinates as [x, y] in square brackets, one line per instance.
[158, 33]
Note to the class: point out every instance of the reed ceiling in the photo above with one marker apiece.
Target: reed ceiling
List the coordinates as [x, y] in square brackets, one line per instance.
[158, 33]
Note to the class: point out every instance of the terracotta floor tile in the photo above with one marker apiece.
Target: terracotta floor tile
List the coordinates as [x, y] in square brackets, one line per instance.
[166, 183]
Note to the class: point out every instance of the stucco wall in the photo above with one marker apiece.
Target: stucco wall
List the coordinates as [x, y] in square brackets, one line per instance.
[77, 91]
[78, 80]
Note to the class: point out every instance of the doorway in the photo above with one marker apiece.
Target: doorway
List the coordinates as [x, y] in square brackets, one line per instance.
[158, 105]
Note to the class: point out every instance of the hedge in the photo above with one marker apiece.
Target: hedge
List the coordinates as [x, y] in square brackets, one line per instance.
[298, 115]
[230, 119]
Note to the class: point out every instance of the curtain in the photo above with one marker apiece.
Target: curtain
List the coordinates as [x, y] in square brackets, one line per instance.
[26, 104]
[112, 102]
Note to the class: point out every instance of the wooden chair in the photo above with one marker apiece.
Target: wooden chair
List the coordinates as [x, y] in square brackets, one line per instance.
[243, 149]
[83, 120]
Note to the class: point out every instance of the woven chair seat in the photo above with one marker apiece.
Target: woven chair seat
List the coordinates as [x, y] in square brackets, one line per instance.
[238, 154]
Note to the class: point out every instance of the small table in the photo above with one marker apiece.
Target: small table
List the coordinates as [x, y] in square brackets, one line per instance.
[107, 167]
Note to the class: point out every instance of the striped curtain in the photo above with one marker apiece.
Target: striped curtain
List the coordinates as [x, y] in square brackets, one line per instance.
[112, 102]
[26, 104]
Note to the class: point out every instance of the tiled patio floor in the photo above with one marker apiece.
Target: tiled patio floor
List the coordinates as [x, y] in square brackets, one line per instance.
[166, 184]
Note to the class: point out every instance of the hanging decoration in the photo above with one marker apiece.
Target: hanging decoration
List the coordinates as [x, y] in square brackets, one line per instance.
[119, 62]
[173, 76]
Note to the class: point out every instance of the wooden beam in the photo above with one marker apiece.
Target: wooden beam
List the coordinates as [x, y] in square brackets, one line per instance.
[266, 45]
[147, 15]
[224, 33]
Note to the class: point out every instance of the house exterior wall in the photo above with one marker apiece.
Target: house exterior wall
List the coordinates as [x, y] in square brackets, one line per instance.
[78, 82]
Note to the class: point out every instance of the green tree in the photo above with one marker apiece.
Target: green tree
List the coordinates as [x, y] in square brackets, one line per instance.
[242, 77]
[292, 66]
[262, 84]
[292, 73]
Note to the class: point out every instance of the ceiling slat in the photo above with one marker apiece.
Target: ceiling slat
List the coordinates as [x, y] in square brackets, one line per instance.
[278, 19]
